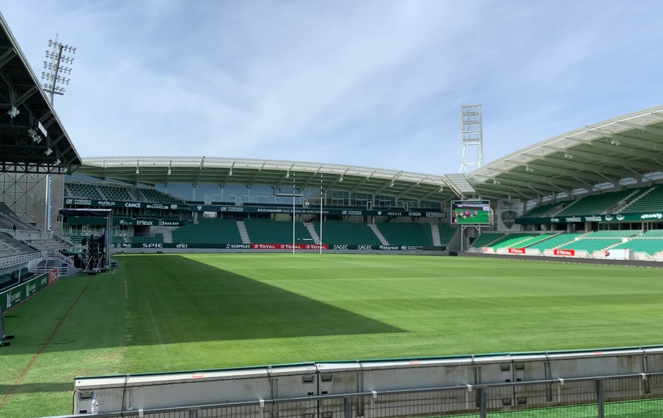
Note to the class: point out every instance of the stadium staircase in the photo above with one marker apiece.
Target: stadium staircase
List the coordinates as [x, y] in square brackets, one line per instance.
[435, 233]
[243, 233]
[313, 232]
[342, 232]
[166, 231]
[378, 234]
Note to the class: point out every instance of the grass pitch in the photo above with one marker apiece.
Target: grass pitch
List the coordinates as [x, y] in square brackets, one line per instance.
[204, 311]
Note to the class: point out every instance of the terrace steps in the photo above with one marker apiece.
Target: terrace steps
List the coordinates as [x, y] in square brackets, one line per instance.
[378, 234]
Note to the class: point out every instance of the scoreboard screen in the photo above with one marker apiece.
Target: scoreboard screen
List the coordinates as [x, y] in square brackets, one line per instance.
[475, 212]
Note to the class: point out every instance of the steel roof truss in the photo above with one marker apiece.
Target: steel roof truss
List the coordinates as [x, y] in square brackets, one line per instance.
[7, 56]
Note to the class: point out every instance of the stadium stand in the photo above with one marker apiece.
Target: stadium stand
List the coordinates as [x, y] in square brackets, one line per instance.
[153, 195]
[208, 231]
[115, 193]
[555, 241]
[545, 210]
[650, 246]
[594, 204]
[156, 239]
[650, 200]
[519, 240]
[590, 244]
[83, 190]
[447, 233]
[339, 232]
[401, 233]
[615, 234]
[487, 238]
[268, 231]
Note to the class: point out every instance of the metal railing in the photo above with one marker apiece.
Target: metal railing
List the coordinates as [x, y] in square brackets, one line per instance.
[19, 259]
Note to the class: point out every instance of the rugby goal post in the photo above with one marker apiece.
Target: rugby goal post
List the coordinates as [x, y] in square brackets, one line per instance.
[3, 336]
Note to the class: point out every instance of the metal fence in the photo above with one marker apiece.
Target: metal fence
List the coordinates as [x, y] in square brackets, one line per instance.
[635, 395]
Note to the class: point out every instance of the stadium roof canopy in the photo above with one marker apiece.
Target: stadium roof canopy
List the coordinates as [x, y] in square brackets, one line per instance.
[277, 174]
[29, 127]
[622, 151]
[618, 152]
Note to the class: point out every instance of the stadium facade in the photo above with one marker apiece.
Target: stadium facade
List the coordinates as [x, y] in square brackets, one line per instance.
[602, 177]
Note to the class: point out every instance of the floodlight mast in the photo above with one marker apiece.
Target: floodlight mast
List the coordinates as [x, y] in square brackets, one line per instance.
[55, 67]
[472, 137]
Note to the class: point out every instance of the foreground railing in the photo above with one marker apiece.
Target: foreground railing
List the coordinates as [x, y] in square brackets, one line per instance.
[624, 395]
[590, 381]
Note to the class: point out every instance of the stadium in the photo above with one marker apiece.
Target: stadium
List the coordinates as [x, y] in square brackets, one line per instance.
[199, 287]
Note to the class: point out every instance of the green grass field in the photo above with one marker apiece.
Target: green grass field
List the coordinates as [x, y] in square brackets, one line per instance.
[203, 311]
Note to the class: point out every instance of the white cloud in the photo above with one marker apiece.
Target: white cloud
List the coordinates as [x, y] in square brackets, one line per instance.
[372, 83]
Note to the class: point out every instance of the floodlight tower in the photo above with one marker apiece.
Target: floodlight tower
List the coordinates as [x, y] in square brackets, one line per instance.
[56, 71]
[470, 119]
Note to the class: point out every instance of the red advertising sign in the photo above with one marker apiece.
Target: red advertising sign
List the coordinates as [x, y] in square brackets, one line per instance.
[52, 276]
[516, 251]
[288, 246]
[568, 253]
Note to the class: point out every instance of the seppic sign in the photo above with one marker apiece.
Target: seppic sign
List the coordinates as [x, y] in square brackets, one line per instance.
[20, 293]
[621, 217]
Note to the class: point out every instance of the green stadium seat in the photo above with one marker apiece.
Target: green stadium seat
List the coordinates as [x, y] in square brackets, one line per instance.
[401, 233]
[340, 232]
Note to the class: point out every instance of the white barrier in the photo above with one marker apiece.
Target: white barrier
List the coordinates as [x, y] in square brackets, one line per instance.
[336, 381]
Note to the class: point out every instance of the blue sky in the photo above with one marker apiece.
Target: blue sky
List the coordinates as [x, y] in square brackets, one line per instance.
[370, 83]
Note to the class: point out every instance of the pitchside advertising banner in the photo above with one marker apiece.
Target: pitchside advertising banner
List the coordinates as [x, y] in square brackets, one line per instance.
[17, 294]
[625, 217]
[253, 209]
[507, 212]
[258, 247]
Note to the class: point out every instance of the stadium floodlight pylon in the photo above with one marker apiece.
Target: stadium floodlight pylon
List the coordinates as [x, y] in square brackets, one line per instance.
[472, 137]
[55, 72]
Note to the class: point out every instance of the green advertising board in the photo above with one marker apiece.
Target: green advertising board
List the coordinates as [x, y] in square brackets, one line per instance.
[17, 294]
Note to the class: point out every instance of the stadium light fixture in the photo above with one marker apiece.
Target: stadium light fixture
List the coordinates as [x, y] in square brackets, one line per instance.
[13, 112]
[57, 162]
[34, 135]
[48, 151]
